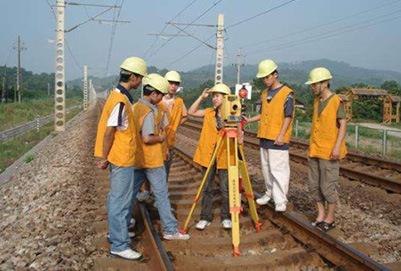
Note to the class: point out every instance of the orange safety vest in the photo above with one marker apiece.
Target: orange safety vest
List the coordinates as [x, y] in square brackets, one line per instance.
[146, 156]
[122, 150]
[207, 142]
[272, 116]
[324, 131]
[174, 121]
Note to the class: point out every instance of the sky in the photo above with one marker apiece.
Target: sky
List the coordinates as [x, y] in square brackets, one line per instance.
[363, 33]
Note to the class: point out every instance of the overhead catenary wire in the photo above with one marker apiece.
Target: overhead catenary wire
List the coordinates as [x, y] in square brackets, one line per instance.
[330, 34]
[322, 25]
[113, 31]
[260, 14]
[197, 18]
[166, 25]
[190, 52]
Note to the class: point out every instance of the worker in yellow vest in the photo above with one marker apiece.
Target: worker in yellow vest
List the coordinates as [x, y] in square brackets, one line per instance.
[115, 146]
[275, 128]
[326, 147]
[177, 114]
[149, 156]
[212, 124]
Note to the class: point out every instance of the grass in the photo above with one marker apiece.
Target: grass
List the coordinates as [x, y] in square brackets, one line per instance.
[14, 114]
[12, 150]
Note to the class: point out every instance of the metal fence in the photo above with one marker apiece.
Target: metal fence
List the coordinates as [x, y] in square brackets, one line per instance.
[35, 124]
[371, 140]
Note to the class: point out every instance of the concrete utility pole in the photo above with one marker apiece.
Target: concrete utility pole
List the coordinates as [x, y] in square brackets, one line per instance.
[17, 91]
[239, 55]
[4, 86]
[85, 87]
[59, 86]
[218, 75]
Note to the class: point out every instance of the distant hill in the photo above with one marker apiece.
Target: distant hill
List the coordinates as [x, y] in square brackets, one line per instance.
[292, 73]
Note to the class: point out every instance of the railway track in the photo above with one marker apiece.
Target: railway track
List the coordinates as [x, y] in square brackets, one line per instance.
[374, 171]
[285, 242]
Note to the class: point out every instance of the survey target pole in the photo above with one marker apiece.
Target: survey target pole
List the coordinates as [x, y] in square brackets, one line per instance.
[59, 86]
[218, 76]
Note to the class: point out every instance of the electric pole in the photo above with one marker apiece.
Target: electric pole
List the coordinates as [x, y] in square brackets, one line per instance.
[19, 48]
[4, 85]
[239, 56]
[59, 86]
[218, 76]
[85, 87]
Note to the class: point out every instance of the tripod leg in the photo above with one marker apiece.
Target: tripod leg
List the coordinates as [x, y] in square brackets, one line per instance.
[202, 185]
[233, 191]
[248, 189]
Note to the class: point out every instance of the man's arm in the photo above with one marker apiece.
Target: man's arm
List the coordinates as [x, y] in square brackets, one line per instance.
[280, 138]
[335, 155]
[184, 114]
[108, 141]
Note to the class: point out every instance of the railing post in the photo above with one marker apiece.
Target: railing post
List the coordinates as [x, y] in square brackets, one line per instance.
[356, 136]
[384, 142]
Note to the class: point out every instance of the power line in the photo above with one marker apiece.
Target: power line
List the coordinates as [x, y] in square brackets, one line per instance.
[165, 26]
[329, 34]
[197, 18]
[260, 14]
[322, 25]
[72, 55]
[190, 52]
[113, 31]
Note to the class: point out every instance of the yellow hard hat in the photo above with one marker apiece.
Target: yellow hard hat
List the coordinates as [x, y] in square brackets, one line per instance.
[221, 88]
[156, 81]
[317, 75]
[135, 65]
[173, 76]
[266, 67]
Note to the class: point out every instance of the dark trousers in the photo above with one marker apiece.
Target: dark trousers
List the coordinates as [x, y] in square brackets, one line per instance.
[207, 199]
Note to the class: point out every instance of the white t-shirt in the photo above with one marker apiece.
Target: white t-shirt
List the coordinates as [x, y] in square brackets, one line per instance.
[118, 117]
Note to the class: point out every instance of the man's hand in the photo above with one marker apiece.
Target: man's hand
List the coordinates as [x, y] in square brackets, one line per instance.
[162, 138]
[102, 164]
[205, 93]
[335, 155]
[279, 140]
[167, 155]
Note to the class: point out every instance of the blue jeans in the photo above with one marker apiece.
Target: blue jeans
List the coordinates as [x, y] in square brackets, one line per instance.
[157, 180]
[118, 206]
[167, 164]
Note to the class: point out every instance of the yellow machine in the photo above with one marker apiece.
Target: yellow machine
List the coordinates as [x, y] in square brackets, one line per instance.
[237, 171]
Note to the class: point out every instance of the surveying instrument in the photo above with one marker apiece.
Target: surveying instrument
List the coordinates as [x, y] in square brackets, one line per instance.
[237, 170]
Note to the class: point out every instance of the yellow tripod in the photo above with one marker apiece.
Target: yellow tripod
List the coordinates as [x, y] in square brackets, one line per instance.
[237, 170]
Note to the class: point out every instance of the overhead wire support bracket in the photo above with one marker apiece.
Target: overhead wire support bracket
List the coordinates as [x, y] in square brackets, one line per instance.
[192, 36]
[91, 5]
[205, 25]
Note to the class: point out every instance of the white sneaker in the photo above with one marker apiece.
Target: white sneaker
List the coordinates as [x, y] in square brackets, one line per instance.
[143, 196]
[263, 200]
[226, 223]
[201, 225]
[176, 236]
[281, 207]
[127, 254]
